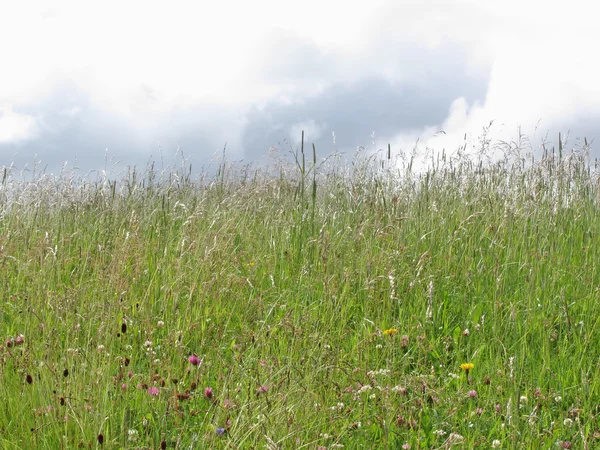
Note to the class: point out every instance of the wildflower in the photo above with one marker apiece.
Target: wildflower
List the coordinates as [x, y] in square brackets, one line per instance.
[194, 360]
[496, 443]
[466, 332]
[100, 439]
[472, 394]
[153, 391]
[467, 367]
[220, 431]
[100, 348]
[404, 342]
[390, 331]
[455, 438]
[208, 392]
[567, 422]
[566, 444]
[262, 389]
[20, 340]
[365, 388]
[400, 390]
[406, 447]
[160, 324]
[124, 387]
[479, 411]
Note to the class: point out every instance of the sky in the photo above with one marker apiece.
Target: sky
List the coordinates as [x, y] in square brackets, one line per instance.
[94, 84]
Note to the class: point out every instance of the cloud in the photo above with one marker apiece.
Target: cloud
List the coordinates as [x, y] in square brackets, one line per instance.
[16, 127]
[130, 77]
[72, 128]
[541, 78]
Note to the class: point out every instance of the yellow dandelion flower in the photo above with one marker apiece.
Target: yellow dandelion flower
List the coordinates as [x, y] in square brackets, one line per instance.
[467, 366]
[390, 331]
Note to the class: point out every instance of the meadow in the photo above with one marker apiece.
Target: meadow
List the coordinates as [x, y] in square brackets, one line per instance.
[305, 304]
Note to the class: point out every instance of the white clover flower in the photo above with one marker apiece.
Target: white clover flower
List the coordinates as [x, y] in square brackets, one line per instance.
[496, 443]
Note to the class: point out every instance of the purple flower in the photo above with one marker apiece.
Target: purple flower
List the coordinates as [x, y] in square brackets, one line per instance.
[153, 391]
[194, 360]
[261, 390]
[472, 394]
[220, 431]
[208, 392]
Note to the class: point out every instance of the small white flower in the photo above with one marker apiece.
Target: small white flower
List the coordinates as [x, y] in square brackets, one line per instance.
[339, 407]
[160, 324]
[365, 388]
[567, 422]
[496, 443]
[100, 348]
[557, 399]
[148, 344]
[455, 437]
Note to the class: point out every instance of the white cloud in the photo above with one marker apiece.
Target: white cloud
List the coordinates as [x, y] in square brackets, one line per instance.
[542, 75]
[312, 131]
[144, 63]
[16, 127]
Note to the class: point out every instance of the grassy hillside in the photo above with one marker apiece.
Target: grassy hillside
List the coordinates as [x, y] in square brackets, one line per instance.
[296, 306]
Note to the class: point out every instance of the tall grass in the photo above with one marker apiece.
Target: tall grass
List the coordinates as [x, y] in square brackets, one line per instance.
[330, 304]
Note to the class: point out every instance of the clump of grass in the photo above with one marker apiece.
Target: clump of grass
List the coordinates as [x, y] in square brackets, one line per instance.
[301, 305]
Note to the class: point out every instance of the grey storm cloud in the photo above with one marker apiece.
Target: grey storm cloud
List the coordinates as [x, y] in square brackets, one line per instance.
[71, 126]
[375, 104]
